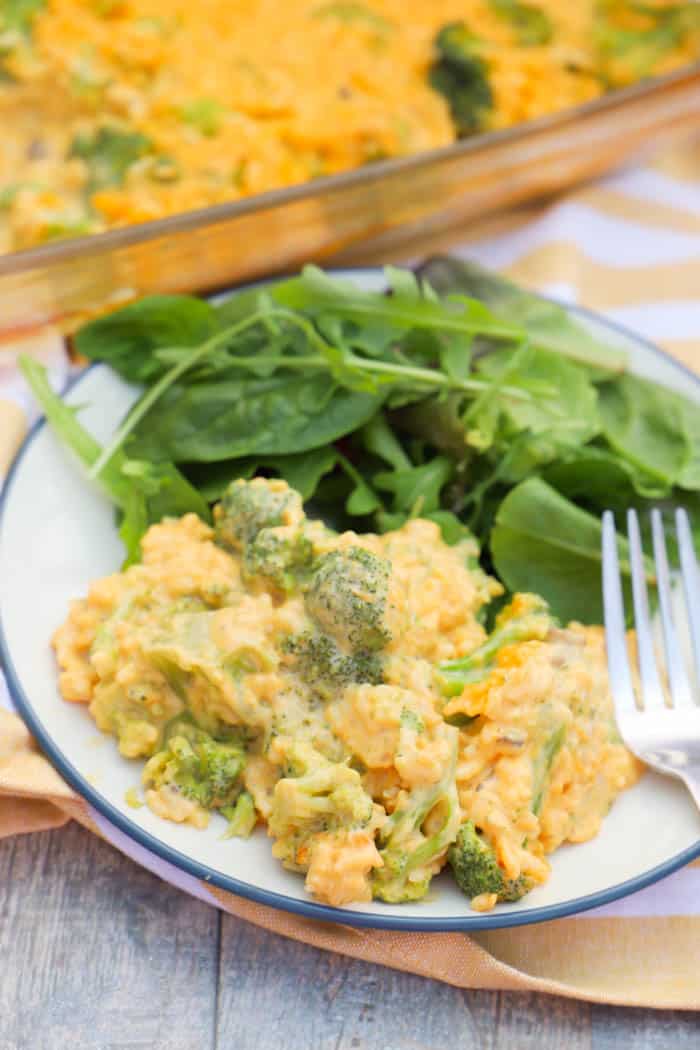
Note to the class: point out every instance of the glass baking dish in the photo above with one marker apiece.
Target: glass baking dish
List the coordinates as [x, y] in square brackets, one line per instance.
[346, 215]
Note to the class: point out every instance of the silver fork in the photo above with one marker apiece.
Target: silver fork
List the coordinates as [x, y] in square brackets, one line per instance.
[666, 737]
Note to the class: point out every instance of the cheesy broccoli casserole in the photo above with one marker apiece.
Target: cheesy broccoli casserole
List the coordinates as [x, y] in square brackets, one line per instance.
[116, 112]
[341, 690]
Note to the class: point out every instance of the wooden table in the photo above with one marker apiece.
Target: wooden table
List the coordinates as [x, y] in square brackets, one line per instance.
[97, 954]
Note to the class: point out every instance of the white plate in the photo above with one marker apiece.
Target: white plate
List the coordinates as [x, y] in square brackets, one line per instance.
[57, 534]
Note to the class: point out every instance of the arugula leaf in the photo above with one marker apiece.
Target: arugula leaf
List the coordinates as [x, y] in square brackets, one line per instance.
[362, 500]
[144, 492]
[109, 152]
[547, 325]
[126, 339]
[416, 491]
[317, 292]
[378, 438]
[544, 544]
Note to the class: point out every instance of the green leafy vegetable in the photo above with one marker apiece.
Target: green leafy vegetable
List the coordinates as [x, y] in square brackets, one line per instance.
[646, 425]
[544, 544]
[251, 417]
[126, 339]
[547, 325]
[455, 396]
[143, 492]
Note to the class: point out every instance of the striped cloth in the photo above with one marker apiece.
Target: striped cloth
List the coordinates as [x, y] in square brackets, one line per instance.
[628, 246]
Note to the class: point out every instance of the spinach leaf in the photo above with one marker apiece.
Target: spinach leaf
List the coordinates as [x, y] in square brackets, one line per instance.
[689, 477]
[548, 326]
[126, 339]
[287, 412]
[645, 424]
[302, 472]
[595, 477]
[211, 479]
[544, 544]
[108, 153]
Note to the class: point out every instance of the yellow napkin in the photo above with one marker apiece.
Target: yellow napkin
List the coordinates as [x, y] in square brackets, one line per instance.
[628, 245]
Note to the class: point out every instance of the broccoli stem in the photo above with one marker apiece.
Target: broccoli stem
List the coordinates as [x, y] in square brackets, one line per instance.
[525, 619]
[241, 817]
[397, 837]
[542, 766]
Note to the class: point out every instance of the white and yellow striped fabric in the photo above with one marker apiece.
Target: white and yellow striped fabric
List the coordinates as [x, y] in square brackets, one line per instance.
[629, 246]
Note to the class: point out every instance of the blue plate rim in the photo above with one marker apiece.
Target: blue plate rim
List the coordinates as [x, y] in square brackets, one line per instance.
[310, 909]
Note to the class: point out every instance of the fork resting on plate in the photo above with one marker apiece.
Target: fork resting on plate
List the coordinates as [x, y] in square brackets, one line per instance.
[659, 721]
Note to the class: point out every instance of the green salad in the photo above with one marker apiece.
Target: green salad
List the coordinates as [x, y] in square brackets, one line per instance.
[454, 396]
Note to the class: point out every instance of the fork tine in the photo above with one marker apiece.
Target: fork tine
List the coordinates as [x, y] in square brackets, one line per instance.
[652, 689]
[679, 683]
[691, 581]
[618, 660]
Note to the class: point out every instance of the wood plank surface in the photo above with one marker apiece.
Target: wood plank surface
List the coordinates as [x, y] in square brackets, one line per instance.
[97, 954]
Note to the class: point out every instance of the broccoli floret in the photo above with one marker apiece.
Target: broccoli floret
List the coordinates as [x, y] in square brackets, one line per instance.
[108, 153]
[279, 555]
[531, 24]
[241, 817]
[203, 769]
[631, 52]
[314, 796]
[347, 598]
[410, 854]
[461, 76]
[476, 869]
[326, 669]
[524, 619]
[248, 507]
